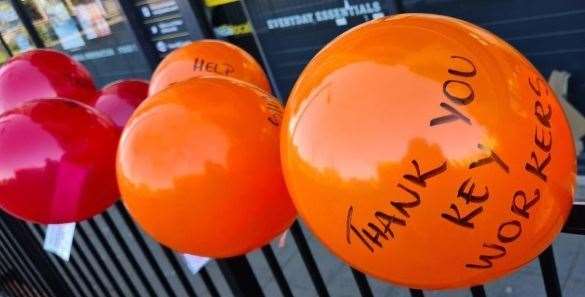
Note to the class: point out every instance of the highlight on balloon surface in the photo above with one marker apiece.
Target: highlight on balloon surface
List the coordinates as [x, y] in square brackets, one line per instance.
[451, 168]
[119, 99]
[44, 73]
[208, 57]
[57, 161]
[199, 168]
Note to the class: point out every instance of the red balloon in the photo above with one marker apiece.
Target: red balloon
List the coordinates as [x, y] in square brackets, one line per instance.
[119, 99]
[44, 73]
[57, 161]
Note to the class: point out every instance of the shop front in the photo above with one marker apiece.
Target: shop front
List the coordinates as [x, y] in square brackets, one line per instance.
[118, 39]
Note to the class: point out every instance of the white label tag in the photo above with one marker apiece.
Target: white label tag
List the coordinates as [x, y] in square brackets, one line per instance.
[282, 239]
[195, 263]
[580, 191]
[59, 239]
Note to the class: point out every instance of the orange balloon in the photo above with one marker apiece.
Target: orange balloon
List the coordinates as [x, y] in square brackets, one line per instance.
[428, 152]
[208, 57]
[199, 167]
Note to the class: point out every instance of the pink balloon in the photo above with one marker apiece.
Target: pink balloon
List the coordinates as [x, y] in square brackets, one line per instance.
[57, 161]
[119, 99]
[44, 73]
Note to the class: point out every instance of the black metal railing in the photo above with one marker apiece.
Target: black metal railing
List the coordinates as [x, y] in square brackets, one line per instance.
[112, 257]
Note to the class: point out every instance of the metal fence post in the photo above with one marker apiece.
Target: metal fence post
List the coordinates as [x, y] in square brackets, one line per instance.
[549, 273]
[240, 277]
[33, 252]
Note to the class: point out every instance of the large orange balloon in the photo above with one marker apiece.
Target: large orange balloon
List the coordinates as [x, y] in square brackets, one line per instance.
[208, 57]
[428, 152]
[199, 167]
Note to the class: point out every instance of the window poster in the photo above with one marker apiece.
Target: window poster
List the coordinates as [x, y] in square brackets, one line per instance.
[291, 32]
[164, 24]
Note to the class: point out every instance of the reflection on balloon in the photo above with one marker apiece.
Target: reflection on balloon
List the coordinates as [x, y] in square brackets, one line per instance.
[204, 58]
[57, 161]
[199, 169]
[43, 73]
[119, 99]
[454, 166]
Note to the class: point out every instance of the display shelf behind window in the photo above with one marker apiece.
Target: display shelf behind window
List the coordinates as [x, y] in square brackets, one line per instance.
[15, 37]
[94, 32]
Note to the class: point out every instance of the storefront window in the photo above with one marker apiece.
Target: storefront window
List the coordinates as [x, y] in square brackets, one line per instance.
[291, 32]
[94, 32]
[229, 23]
[4, 55]
[13, 33]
